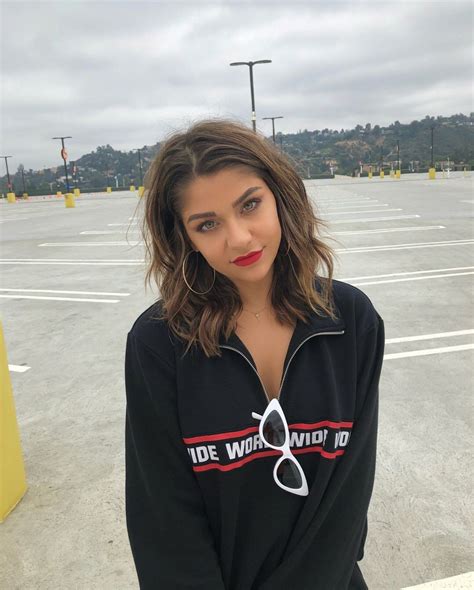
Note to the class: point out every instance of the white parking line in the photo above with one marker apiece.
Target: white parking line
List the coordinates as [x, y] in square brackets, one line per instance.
[358, 206]
[81, 244]
[352, 212]
[18, 368]
[428, 351]
[75, 263]
[60, 298]
[461, 582]
[457, 274]
[411, 272]
[99, 232]
[377, 218]
[67, 292]
[428, 336]
[404, 246]
[386, 230]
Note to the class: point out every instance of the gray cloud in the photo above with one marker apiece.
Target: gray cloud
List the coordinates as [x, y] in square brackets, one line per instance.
[127, 73]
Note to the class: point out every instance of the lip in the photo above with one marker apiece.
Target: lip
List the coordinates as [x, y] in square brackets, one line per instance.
[250, 255]
[248, 260]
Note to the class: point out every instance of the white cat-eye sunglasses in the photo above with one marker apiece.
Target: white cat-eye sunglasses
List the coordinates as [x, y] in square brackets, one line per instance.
[274, 432]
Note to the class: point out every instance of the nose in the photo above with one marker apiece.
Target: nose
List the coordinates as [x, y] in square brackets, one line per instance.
[239, 238]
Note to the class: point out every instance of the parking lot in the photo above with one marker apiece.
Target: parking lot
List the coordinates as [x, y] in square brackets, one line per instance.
[72, 283]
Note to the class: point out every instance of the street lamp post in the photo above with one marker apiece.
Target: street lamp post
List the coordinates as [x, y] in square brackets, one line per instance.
[432, 147]
[23, 179]
[9, 183]
[273, 125]
[250, 64]
[140, 165]
[64, 157]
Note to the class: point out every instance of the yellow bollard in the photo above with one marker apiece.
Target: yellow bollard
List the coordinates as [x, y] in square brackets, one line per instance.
[141, 190]
[59, 194]
[77, 192]
[132, 187]
[370, 174]
[432, 174]
[397, 173]
[109, 189]
[465, 171]
[392, 174]
[12, 470]
[11, 197]
[70, 200]
[382, 174]
[25, 195]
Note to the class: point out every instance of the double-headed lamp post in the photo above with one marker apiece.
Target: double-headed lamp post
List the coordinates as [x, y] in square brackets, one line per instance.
[273, 125]
[250, 64]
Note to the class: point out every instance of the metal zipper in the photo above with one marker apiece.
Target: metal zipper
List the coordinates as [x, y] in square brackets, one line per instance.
[286, 370]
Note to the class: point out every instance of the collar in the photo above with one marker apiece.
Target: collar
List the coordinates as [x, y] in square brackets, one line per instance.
[316, 324]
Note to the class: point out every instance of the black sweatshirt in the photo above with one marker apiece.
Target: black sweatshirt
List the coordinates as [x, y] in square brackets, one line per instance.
[202, 508]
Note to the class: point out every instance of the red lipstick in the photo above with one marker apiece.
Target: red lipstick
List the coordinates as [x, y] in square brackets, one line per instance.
[249, 258]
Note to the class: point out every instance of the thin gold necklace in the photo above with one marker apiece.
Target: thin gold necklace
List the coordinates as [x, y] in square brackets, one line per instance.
[255, 314]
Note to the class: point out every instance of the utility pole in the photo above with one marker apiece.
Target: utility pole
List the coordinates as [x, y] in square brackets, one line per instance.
[64, 157]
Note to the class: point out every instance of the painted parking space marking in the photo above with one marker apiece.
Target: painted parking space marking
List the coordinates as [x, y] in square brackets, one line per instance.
[66, 292]
[428, 336]
[18, 368]
[428, 351]
[352, 212]
[82, 244]
[404, 280]
[59, 262]
[387, 230]
[414, 245]
[82, 300]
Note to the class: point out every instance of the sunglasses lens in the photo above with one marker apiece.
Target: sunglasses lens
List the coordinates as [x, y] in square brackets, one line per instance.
[289, 475]
[274, 430]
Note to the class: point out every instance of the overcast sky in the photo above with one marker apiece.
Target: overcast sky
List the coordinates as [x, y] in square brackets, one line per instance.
[129, 72]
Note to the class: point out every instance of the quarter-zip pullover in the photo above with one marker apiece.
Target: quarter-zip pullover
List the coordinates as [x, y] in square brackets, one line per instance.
[203, 510]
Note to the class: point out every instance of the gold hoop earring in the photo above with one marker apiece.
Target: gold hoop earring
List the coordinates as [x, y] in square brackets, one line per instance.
[184, 275]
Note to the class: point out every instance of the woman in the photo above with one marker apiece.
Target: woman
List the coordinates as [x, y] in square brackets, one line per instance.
[252, 385]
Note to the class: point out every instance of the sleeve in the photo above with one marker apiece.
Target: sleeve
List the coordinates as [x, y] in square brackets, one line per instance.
[169, 533]
[370, 352]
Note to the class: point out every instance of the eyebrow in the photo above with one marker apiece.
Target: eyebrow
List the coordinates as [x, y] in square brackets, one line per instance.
[248, 192]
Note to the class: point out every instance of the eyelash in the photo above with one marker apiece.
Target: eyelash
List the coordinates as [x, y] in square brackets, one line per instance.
[200, 226]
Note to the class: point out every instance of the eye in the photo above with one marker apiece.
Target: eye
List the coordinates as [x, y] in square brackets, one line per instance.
[200, 227]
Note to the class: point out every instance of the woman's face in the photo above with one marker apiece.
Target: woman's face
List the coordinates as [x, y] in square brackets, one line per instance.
[239, 216]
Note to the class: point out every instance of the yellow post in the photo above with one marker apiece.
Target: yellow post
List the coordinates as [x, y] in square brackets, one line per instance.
[109, 189]
[12, 470]
[382, 174]
[465, 171]
[70, 200]
[77, 192]
[370, 174]
[141, 189]
[11, 197]
[59, 194]
[397, 173]
[392, 173]
[25, 195]
[132, 187]
[432, 174]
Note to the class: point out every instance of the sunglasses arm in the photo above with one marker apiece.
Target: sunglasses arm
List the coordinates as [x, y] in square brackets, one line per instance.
[256, 416]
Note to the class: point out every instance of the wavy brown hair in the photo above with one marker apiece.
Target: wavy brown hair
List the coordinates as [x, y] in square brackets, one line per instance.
[205, 148]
